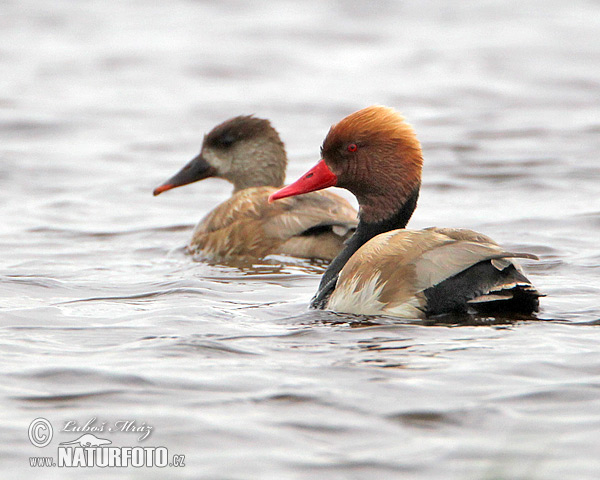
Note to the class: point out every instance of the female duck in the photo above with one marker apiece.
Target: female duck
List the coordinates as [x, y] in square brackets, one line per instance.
[385, 269]
[248, 152]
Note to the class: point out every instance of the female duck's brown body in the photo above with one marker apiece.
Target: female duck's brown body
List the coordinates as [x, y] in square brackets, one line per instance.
[248, 152]
[385, 269]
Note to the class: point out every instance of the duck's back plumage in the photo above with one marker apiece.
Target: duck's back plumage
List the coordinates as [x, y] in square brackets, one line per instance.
[246, 225]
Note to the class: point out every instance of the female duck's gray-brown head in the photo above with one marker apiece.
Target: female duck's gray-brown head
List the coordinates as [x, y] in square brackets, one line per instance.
[244, 150]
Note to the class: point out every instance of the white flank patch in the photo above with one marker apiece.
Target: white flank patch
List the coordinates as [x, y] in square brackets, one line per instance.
[365, 301]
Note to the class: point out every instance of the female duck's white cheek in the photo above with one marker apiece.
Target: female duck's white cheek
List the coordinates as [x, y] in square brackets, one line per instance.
[217, 162]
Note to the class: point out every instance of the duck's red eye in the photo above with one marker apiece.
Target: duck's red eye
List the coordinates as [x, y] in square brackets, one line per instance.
[352, 147]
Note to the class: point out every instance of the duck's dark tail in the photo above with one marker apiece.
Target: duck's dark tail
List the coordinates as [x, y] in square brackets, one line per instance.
[490, 287]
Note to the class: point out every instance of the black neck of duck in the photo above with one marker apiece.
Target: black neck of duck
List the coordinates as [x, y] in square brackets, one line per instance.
[365, 232]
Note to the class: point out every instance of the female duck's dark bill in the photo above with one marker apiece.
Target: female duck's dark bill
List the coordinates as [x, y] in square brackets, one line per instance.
[196, 169]
[316, 178]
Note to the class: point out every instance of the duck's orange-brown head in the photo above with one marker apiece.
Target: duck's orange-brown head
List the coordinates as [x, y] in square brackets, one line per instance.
[374, 154]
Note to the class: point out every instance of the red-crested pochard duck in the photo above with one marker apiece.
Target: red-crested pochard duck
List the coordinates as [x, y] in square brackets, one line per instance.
[248, 152]
[384, 268]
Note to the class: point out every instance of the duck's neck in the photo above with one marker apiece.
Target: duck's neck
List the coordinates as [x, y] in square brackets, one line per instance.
[261, 178]
[365, 232]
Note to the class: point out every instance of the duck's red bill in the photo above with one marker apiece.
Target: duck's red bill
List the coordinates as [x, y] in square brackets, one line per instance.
[317, 178]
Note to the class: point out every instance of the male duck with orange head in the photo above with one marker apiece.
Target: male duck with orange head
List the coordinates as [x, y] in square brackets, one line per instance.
[384, 268]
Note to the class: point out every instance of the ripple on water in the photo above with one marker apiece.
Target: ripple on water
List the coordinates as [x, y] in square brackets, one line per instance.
[209, 347]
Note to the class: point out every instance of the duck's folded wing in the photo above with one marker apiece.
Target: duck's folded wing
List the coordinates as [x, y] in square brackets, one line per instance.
[445, 261]
[286, 218]
[313, 213]
[463, 234]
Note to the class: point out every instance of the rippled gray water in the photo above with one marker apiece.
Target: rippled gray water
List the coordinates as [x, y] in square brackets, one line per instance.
[103, 316]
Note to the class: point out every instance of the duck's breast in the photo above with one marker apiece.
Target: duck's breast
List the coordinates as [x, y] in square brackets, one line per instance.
[234, 228]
